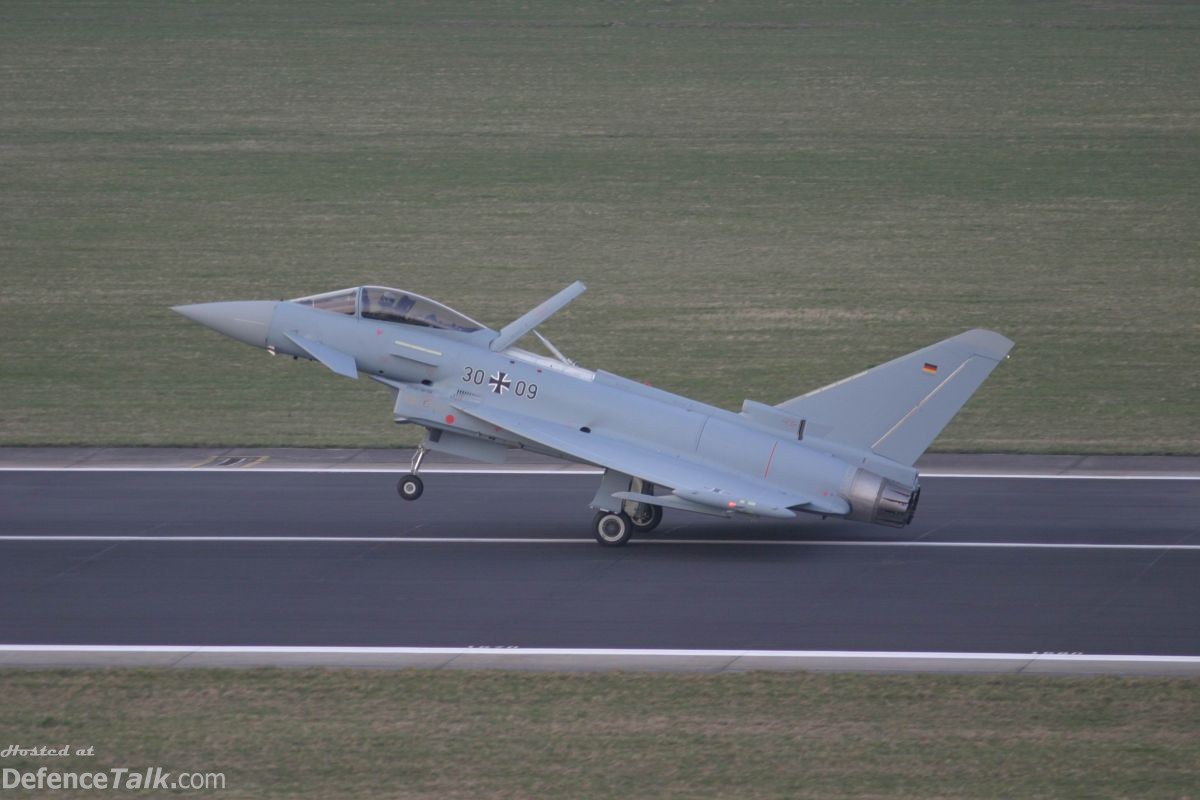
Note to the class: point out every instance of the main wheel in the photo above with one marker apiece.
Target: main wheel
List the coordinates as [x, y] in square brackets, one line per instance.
[646, 517]
[410, 487]
[612, 528]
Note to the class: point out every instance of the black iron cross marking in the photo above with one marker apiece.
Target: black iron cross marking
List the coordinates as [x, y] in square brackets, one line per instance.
[500, 382]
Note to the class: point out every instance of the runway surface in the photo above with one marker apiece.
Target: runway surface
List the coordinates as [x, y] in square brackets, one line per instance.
[991, 565]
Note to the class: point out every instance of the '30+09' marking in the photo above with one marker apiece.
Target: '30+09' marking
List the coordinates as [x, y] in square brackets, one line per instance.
[500, 383]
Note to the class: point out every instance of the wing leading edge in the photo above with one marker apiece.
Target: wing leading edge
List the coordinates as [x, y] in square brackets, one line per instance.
[690, 481]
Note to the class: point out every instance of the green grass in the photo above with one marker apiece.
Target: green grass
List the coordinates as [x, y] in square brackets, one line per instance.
[762, 197]
[452, 734]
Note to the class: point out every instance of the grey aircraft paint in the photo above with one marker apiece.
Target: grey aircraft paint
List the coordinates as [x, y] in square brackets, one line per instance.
[845, 450]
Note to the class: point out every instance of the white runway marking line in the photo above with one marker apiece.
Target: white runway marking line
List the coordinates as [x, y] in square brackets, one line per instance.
[398, 470]
[585, 540]
[589, 652]
[567, 471]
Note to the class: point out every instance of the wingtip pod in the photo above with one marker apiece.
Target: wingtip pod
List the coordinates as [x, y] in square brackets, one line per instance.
[729, 502]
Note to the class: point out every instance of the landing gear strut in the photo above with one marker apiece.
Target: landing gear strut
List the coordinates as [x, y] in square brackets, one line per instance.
[410, 486]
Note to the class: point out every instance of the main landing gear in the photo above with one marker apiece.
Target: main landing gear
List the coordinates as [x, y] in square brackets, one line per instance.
[410, 486]
[644, 516]
[614, 528]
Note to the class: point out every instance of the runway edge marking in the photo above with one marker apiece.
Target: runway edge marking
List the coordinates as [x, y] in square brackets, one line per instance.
[567, 471]
[584, 540]
[567, 659]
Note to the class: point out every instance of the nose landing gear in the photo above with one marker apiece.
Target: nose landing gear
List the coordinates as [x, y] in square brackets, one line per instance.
[410, 486]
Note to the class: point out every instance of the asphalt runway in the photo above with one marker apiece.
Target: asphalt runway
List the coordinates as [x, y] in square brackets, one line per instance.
[991, 565]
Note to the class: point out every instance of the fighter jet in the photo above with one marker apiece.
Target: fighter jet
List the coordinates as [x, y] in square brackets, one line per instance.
[846, 450]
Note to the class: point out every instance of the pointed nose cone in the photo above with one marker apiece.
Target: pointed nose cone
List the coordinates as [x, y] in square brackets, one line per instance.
[245, 320]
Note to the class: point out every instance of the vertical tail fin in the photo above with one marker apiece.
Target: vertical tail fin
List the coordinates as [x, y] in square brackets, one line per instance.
[897, 409]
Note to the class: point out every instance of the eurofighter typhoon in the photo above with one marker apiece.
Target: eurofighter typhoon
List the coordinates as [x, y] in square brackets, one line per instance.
[846, 450]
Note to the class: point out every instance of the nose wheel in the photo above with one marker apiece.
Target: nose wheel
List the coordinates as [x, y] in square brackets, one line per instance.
[410, 487]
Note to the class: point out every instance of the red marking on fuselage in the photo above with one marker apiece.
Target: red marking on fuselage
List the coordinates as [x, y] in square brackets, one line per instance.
[379, 331]
[770, 458]
[449, 419]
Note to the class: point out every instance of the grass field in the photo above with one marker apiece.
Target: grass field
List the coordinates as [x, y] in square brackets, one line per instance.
[450, 734]
[763, 198]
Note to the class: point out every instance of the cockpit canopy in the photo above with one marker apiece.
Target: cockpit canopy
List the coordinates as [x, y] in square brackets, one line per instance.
[391, 305]
[343, 301]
